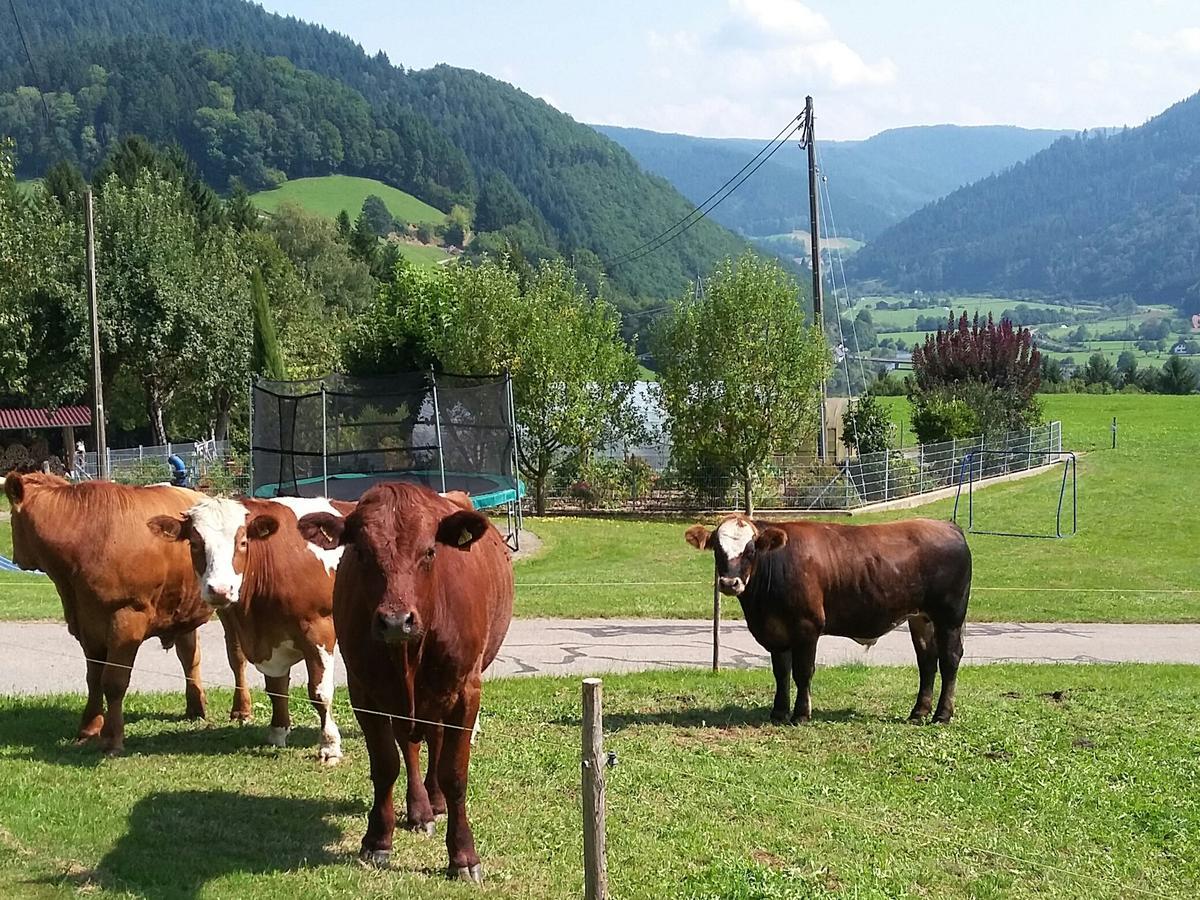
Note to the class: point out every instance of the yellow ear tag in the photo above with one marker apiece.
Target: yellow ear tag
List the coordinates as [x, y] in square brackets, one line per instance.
[464, 538]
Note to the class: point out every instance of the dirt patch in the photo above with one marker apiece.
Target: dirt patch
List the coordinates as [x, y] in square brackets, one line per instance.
[531, 546]
[1056, 696]
[769, 859]
[1083, 743]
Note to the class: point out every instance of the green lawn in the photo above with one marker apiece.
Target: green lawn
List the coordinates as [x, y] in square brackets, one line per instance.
[330, 194]
[1132, 539]
[1053, 781]
[890, 320]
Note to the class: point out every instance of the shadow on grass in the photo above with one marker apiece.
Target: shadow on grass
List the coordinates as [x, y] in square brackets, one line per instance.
[728, 716]
[179, 841]
[35, 730]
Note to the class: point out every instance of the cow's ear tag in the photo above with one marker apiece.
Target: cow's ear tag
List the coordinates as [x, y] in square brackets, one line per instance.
[328, 536]
[465, 538]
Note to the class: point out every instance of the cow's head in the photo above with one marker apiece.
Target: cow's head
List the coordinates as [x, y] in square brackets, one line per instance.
[21, 488]
[398, 532]
[737, 543]
[219, 531]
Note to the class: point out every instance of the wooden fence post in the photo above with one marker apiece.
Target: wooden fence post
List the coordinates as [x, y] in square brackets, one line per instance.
[716, 623]
[595, 864]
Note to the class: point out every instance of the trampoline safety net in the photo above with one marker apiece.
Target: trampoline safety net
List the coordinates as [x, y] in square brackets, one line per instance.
[337, 436]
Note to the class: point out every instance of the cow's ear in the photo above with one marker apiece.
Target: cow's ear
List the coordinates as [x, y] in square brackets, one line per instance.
[461, 529]
[323, 529]
[699, 537]
[14, 488]
[769, 539]
[262, 527]
[170, 528]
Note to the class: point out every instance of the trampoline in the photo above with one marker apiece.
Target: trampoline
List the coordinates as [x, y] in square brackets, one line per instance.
[339, 435]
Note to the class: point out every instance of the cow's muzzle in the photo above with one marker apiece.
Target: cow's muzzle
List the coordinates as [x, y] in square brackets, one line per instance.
[396, 627]
[731, 587]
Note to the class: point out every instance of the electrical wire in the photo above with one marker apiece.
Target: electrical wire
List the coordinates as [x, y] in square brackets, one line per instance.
[713, 200]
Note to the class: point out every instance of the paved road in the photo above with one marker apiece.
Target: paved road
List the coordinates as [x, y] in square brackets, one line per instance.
[41, 658]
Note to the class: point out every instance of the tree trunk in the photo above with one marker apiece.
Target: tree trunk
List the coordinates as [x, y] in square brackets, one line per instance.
[748, 493]
[223, 401]
[154, 409]
[539, 492]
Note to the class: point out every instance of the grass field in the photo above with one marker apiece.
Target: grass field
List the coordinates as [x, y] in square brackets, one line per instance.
[1132, 540]
[422, 254]
[888, 320]
[330, 194]
[1053, 781]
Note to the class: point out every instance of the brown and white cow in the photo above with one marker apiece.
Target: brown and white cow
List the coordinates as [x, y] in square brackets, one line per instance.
[276, 589]
[799, 580]
[118, 586]
[423, 600]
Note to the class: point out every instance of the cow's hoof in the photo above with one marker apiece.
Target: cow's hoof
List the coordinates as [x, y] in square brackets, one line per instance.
[779, 718]
[800, 720]
[941, 719]
[114, 750]
[380, 859]
[241, 715]
[277, 737]
[916, 718]
[466, 873]
[425, 828]
[330, 756]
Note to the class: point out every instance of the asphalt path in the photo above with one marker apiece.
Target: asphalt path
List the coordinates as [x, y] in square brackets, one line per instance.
[42, 658]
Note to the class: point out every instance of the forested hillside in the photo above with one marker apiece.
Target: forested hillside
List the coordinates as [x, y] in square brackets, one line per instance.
[1095, 216]
[873, 183]
[539, 183]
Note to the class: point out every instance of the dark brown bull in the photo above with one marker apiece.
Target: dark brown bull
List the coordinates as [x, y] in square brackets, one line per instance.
[799, 580]
[422, 601]
[118, 585]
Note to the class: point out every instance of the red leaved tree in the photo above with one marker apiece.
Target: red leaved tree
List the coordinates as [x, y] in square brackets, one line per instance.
[975, 378]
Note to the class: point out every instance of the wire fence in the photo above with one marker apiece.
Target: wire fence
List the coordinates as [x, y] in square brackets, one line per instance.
[212, 466]
[647, 481]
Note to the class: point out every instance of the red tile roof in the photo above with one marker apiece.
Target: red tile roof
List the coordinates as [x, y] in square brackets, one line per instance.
[12, 419]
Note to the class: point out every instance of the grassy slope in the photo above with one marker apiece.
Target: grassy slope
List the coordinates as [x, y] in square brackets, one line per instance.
[1089, 791]
[330, 194]
[1126, 497]
[422, 254]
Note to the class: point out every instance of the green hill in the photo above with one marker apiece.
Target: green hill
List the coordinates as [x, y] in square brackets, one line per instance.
[1096, 216]
[259, 97]
[330, 194]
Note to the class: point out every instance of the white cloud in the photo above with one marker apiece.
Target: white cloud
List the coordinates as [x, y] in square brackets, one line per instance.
[748, 72]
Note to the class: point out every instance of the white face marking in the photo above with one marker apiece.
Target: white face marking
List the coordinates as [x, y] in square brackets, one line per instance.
[302, 506]
[217, 520]
[733, 535]
[281, 660]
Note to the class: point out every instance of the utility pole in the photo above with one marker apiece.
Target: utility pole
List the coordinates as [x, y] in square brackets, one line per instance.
[94, 315]
[815, 238]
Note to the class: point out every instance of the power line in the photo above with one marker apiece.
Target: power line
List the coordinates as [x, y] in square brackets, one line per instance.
[700, 211]
[37, 80]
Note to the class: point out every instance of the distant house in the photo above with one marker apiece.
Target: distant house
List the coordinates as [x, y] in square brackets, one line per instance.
[1182, 348]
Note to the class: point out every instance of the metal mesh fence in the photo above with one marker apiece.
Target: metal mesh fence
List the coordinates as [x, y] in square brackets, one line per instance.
[212, 466]
[646, 480]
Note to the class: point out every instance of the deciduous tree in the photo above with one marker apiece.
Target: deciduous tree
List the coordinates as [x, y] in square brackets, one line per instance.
[739, 370]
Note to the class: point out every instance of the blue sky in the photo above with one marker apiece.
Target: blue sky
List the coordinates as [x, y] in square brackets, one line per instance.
[741, 68]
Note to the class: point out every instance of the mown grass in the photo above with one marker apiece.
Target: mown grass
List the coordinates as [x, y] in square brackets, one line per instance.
[422, 254]
[1058, 781]
[1135, 537]
[328, 195]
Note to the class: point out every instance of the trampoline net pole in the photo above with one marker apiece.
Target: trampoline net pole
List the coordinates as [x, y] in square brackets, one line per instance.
[250, 431]
[516, 459]
[324, 447]
[437, 427]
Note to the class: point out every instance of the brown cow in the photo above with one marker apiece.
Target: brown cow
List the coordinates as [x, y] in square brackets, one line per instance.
[276, 589]
[423, 600]
[799, 580]
[118, 586]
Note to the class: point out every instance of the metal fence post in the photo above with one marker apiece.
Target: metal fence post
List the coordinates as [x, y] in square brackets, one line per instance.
[595, 865]
[886, 472]
[716, 664]
[437, 421]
